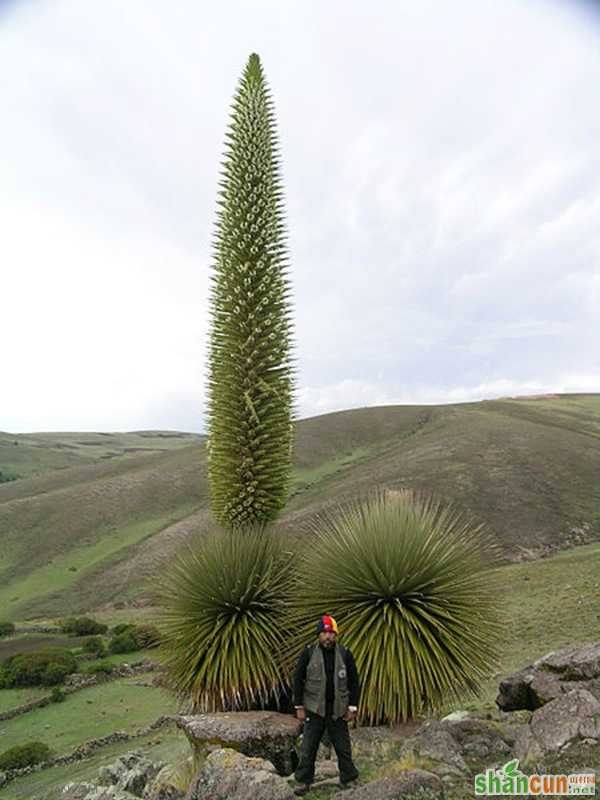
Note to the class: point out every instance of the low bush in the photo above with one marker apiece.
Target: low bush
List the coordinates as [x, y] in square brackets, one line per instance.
[121, 628]
[6, 628]
[24, 755]
[146, 636]
[123, 643]
[82, 626]
[143, 635]
[58, 695]
[43, 668]
[94, 644]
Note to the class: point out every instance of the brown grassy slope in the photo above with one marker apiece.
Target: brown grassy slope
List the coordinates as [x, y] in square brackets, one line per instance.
[528, 468]
[31, 454]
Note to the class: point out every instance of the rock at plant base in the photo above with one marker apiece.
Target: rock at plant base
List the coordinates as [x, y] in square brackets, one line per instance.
[456, 716]
[513, 692]
[551, 676]
[3, 779]
[89, 791]
[434, 745]
[381, 741]
[325, 769]
[229, 775]
[412, 783]
[162, 788]
[480, 740]
[568, 718]
[261, 734]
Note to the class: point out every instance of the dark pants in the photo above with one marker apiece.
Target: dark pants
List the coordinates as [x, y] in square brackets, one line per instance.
[337, 729]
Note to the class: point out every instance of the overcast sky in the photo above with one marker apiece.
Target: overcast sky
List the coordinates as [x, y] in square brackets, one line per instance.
[441, 163]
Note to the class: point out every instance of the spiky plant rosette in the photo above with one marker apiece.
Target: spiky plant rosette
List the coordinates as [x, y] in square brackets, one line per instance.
[224, 618]
[250, 383]
[409, 583]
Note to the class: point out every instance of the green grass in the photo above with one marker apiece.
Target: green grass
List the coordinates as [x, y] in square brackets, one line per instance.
[65, 570]
[550, 604]
[120, 658]
[168, 744]
[89, 714]
[30, 642]
[11, 698]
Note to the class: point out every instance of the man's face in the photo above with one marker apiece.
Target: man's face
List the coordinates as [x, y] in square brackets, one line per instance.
[327, 638]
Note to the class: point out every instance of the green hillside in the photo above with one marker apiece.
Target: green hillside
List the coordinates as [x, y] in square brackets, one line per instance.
[25, 455]
[85, 535]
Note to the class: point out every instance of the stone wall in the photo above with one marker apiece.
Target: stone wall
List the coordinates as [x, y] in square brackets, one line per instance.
[87, 749]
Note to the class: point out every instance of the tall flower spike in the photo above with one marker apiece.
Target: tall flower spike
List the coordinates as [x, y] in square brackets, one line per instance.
[250, 388]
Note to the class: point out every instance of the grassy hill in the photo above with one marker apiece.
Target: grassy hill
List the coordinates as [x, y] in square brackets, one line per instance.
[75, 537]
[25, 455]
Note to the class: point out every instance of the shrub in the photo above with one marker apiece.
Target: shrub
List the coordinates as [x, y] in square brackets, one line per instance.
[123, 643]
[93, 644]
[225, 620]
[57, 695]
[146, 636]
[24, 755]
[54, 674]
[6, 628]
[143, 635]
[82, 626]
[410, 587]
[46, 667]
[121, 628]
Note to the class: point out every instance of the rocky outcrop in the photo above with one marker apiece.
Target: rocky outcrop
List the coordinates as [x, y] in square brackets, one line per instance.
[412, 783]
[89, 791]
[452, 748]
[570, 718]
[261, 734]
[229, 775]
[127, 778]
[163, 787]
[550, 677]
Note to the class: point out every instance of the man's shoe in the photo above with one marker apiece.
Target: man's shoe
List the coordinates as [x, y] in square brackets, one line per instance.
[302, 790]
[347, 784]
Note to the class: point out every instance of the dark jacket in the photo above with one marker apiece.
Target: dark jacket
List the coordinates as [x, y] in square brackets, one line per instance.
[329, 660]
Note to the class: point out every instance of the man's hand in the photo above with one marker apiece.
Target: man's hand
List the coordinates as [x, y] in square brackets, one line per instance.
[349, 715]
[301, 713]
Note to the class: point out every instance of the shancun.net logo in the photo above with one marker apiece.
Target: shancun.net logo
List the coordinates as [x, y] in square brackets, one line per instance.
[510, 780]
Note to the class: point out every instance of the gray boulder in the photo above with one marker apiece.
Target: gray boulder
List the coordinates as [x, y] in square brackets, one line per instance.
[162, 787]
[261, 734]
[561, 722]
[551, 676]
[434, 746]
[480, 740]
[89, 791]
[412, 783]
[130, 773]
[229, 775]
[573, 663]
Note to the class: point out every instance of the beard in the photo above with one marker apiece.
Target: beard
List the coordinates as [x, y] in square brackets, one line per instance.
[328, 643]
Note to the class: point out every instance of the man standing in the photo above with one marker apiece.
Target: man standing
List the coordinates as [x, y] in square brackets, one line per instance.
[326, 699]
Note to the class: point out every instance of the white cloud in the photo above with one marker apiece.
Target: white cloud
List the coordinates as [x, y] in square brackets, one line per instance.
[442, 181]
